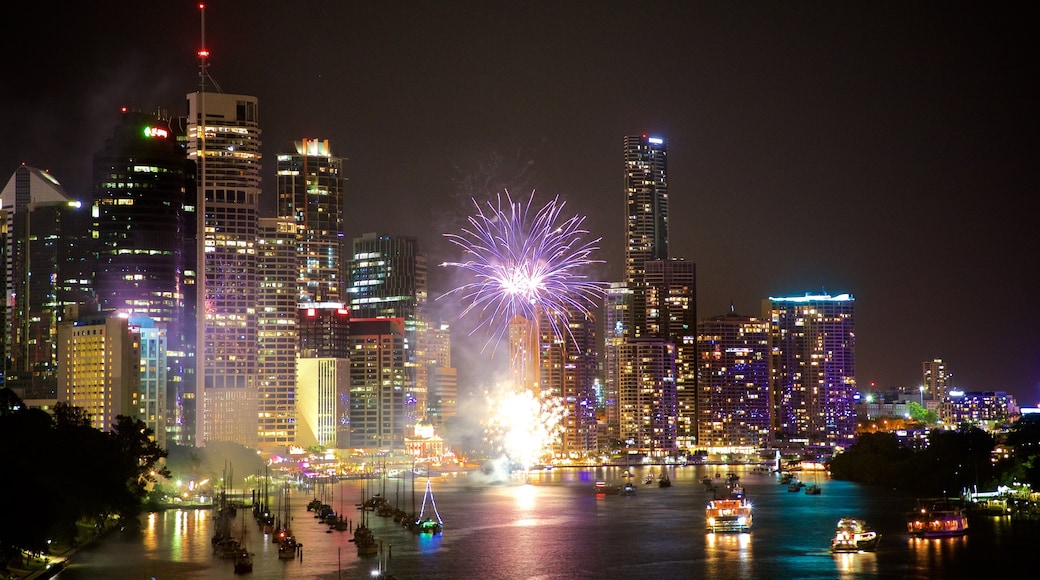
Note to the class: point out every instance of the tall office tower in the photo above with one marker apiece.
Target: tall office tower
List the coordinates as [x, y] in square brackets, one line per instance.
[388, 280]
[646, 396]
[26, 186]
[523, 336]
[378, 385]
[152, 400]
[310, 191]
[734, 407]
[276, 247]
[144, 236]
[223, 134]
[935, 379]
[671, 314]
[442, 381]
[813, 369]
[646, 217]
[99, 362]
[325, 345]
[567, 362]
[61, 273]
[616, 302]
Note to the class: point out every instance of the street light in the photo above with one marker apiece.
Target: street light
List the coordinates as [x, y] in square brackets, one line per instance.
[921, 388]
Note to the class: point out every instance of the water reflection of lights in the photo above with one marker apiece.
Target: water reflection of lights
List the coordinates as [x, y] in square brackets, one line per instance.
[525, 496]
[936, 550]
[856, 562]
[728, 541]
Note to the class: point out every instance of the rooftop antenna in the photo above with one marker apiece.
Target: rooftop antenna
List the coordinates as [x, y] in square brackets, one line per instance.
[204, 56]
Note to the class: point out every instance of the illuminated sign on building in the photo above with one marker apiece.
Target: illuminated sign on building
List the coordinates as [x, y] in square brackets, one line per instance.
[156, 132]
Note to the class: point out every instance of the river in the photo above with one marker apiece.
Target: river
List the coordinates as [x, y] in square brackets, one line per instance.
[554, 527]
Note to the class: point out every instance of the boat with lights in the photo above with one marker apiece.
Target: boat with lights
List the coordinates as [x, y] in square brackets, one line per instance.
[854, 535]
[432, 523]
[937, 519]
[731, 513]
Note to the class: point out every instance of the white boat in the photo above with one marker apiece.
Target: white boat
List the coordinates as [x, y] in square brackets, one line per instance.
[853, 535]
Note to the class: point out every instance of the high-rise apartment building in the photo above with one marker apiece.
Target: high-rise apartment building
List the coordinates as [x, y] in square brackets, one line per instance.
[144, 237]
[646, 396]
[223, 134]
[388, 280]
[310, 191]
[935, 379]
[671, 313]
[277, 338]
[813, 346]
[568, 370]
[616, 303]
[99, 365]
[734, 406]
[646, 217]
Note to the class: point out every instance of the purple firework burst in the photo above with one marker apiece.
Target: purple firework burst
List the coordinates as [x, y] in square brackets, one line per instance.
[525, 263]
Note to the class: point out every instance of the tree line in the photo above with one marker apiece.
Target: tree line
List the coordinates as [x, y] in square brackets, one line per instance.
[60, 473]
[951, 461]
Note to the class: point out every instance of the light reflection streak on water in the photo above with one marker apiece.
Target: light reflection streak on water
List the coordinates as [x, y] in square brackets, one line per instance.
[932, 551]
[525, 496]
[719, 552]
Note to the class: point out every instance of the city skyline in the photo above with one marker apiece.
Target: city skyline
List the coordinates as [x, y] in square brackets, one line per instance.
[875, 149]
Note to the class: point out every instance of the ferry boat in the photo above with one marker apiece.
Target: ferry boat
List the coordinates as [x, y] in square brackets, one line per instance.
[937, 519]
[853, 535]
[728, 514]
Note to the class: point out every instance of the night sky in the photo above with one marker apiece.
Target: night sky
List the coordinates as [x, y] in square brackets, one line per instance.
[886, 149]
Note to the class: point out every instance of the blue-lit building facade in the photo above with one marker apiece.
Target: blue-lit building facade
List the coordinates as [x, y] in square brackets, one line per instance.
[813, 371]
[734, 403]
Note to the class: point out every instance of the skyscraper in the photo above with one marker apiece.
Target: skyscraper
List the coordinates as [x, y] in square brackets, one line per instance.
[615, 306]
[323, 370]
[26, 186]
[734, 406]
[935, 378]
[388, 280]
[50, 266]
[442, 382]
[144, 236]
[671, 313]
[310, 191]
[646, 396]
[568, 371]
[277, 338]
[646, 217]
[223, 133]
[813, 342]
[378, 415]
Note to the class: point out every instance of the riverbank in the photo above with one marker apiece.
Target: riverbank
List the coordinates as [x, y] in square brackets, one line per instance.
[44, 566]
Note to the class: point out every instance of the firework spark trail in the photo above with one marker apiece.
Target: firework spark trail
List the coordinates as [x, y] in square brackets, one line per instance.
[524, 264]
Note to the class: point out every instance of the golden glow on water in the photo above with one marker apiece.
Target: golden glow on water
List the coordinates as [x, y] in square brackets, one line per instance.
[720, 550]
[931, 551]
[856, 563]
